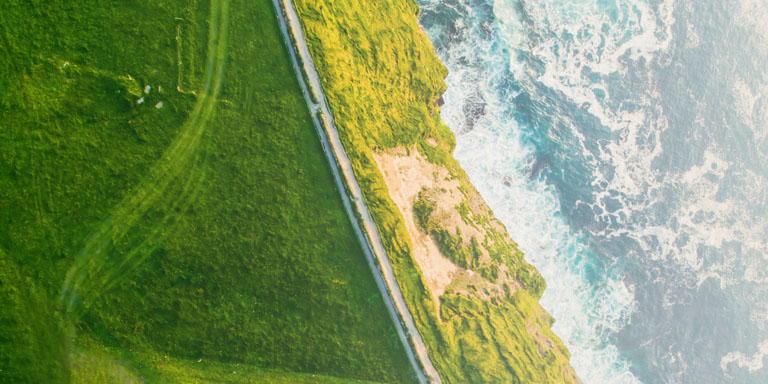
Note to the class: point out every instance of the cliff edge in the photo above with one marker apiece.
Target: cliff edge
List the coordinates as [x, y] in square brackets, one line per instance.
[472, 295]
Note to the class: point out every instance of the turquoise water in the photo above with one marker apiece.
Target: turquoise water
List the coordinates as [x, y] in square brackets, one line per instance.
[624, 144]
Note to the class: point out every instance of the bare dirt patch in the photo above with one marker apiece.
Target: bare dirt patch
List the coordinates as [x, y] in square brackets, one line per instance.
[459, 210]
[406, 173]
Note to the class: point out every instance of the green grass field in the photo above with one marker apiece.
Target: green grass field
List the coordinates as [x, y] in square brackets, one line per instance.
[383, 80]
[191, 233]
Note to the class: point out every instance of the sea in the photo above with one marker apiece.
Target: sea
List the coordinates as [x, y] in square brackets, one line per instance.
[624, 144]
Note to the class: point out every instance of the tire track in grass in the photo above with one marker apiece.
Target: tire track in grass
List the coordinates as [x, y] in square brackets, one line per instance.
[96, 269]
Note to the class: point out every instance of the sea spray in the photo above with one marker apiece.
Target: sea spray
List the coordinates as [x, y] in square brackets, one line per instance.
[586, 297]
[624, 146]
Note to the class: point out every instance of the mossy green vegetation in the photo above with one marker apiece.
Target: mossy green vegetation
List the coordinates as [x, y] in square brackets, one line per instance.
[93, 363]
[450, 244]
[383, 81]
[166, 212]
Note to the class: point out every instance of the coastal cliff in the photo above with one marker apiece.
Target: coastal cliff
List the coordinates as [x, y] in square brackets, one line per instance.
[472, 295]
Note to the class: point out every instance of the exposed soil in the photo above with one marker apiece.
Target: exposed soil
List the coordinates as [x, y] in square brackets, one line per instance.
[405, 175]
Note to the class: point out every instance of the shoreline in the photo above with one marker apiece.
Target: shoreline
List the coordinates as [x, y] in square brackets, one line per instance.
[482, 323]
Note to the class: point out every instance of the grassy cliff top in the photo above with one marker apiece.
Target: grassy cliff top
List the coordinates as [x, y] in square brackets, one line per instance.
[383, 80]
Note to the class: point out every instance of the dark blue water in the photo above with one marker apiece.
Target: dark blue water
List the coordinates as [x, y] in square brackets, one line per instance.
[624, 144]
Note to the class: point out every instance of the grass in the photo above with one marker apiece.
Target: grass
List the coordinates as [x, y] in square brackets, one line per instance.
[206, 230]
[382, 80]
[93, 363]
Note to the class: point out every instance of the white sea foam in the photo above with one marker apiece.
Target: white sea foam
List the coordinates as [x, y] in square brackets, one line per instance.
[703, 218]
[600, 45]
[497, 161]
[752, 363]
[754, 13]
[692, 38]
[607, 45]
[574, 48]
[580, 41]
[751, 103]
[531, 212]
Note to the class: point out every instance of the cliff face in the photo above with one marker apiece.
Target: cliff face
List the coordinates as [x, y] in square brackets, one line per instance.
[473, 296]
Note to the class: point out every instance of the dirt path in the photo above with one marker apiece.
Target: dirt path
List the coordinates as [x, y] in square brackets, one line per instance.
[365, 228]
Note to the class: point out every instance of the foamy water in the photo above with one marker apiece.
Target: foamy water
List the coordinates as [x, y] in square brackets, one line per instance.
[624, 146]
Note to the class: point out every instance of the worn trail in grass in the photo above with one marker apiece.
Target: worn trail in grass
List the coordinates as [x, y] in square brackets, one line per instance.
[96, 269]
[178, 244]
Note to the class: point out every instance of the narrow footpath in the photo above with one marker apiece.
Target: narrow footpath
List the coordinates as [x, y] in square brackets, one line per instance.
[352, 196]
